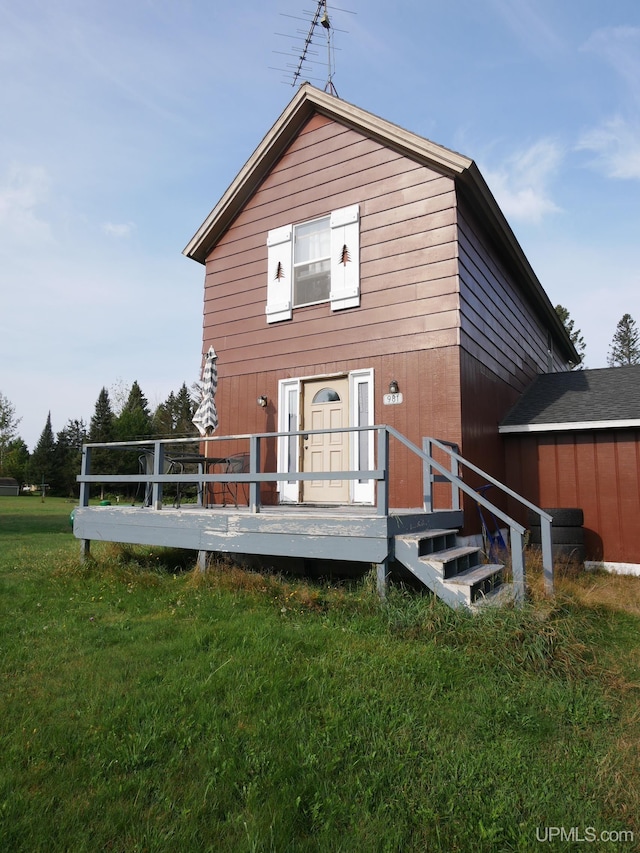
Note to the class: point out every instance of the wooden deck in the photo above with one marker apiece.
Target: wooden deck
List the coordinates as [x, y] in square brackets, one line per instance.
[350, 533]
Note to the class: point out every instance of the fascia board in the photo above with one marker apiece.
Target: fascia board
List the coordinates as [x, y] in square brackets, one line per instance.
[570, 426]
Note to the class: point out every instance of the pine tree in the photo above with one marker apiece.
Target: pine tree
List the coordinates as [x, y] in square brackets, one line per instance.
[134, 422]
[43, 464]
[102, 429]
[164, 417]
[625, 345]
[574, 334]
[69, 452]
[185, 409]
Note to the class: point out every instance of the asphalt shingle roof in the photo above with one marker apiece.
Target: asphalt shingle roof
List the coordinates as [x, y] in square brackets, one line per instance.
[579, 396]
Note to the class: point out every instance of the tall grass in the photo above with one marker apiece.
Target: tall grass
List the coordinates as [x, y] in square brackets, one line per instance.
[149, 707]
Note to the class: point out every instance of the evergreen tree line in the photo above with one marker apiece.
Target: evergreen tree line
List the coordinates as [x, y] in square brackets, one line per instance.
[624, 348]
[56, 458]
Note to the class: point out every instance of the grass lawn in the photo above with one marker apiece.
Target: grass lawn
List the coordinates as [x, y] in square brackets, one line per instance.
[146, 707]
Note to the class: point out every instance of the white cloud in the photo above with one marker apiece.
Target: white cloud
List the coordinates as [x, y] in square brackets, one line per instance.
[119, 230]
[616, 144]
[521, 183]
[24, 190]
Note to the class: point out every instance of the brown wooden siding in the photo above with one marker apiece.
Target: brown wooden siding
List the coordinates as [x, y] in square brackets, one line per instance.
[428, 379]
[417, 252]
[499, 326]
[408, 249]
[596, 470]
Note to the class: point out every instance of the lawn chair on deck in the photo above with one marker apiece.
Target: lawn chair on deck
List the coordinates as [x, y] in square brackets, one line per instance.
[170, 466]
[236, 464]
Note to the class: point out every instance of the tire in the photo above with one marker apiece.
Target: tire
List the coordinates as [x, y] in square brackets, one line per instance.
[572, 553]
[562, 517]
[560, 535]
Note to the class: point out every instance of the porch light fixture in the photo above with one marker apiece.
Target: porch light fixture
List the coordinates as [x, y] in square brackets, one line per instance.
[393, 387]
[262, 401]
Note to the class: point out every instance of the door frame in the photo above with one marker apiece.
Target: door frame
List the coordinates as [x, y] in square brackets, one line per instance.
[361, 388]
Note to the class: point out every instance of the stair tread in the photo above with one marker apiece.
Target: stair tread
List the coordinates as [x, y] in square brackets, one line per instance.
[425, 534]
[476, 574]
[448, 554]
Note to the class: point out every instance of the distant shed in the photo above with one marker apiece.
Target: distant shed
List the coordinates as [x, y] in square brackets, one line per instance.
[9, 487]
[573, 439]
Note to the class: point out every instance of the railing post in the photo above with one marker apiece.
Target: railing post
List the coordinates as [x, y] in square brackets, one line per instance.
[427, 492]
[383, 465]
[517, 565]
[455, 491]
[547, 555]
[254, 468]
[85, 469]
[158, 468]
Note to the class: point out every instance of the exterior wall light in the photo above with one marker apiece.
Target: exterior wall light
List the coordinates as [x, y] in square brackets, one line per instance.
[262, 401]
[393, 387]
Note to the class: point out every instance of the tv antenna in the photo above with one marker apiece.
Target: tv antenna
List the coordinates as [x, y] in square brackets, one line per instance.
[306, 51]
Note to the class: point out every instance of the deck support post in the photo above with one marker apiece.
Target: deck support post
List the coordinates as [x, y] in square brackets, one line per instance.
[203, 559]
[382, 578]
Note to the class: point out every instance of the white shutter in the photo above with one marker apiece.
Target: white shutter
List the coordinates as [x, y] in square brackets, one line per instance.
[345, 258]
[280, 274]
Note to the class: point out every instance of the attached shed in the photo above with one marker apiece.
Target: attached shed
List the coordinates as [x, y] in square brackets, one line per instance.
[9, 487]
[573, 440]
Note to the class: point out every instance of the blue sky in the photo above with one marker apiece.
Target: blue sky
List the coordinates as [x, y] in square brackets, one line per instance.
[123, 122]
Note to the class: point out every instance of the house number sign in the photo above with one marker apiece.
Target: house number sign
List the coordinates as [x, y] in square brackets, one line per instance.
[392, 399]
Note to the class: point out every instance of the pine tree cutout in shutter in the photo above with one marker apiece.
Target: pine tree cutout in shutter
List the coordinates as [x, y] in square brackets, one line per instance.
[279, 272]
[345, 257]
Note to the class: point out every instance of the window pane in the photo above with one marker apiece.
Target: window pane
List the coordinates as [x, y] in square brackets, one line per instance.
[326, 395]
[312, 241]
[311, 262]
[311, 283]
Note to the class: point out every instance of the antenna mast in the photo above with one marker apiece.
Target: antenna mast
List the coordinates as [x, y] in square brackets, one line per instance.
[320, 18]
[325, 22]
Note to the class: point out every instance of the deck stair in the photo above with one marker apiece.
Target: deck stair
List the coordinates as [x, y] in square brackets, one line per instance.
[454, 572]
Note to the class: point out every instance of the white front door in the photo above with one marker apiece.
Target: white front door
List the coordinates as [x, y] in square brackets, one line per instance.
[340, 401]
[325, 406]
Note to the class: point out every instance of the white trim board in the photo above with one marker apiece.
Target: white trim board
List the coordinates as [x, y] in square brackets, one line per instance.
[613, 568]
[562, 427]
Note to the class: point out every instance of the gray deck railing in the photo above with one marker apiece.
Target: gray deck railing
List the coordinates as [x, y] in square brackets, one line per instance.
[516, 531]
[380, 474]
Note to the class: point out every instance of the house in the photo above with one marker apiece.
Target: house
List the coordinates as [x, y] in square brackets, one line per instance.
[354, 259]
[573, 440]
[9, 486]
[361, 285]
